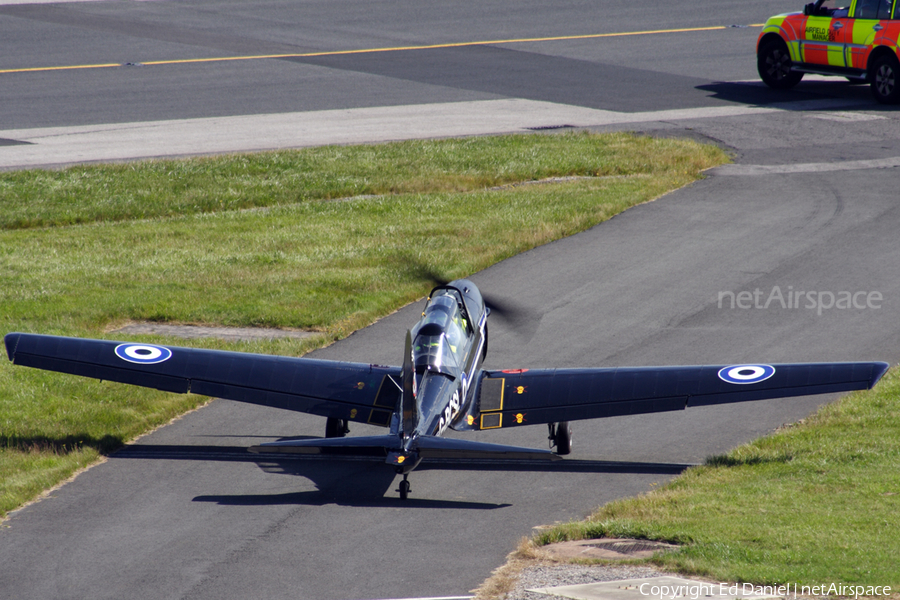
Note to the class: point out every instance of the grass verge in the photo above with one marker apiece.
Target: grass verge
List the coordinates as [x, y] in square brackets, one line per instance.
[814, 503]
[259, 240]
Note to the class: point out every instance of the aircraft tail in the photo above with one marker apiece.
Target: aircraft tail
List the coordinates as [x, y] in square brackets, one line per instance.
[409, 413]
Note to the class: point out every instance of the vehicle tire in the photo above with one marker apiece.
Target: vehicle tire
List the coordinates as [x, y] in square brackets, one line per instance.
[563, 438]
[886, 79]
[774, 65]
[335, 428]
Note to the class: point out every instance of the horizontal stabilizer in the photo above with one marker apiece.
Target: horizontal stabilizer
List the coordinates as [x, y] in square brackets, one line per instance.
[376, 445]
[424, 447]
[436, 447]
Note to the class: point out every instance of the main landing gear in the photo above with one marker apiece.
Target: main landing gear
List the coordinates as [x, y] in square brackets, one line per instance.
[404, 488]
[336, 428]
[561, 437]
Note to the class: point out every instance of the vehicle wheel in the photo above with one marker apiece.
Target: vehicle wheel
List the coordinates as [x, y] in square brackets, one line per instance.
[562, 438]
[336, 428]
[404, 489]
[886, 80]
[774, 65]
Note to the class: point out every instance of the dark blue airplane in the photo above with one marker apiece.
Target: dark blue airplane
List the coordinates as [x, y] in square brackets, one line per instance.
[440, 384]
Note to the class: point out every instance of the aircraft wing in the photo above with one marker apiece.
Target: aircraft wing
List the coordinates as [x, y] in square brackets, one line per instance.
[527, 397]
[353, 391]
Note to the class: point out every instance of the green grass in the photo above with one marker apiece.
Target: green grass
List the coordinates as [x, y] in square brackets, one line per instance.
[263, 240]
[813, 503]
[183, 187]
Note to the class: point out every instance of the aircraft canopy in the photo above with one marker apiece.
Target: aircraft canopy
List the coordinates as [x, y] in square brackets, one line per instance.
[441, 336]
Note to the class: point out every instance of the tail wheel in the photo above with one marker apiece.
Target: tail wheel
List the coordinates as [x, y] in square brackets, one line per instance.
[886, 79]
[561, 437]
[404, 488]
[773, 61]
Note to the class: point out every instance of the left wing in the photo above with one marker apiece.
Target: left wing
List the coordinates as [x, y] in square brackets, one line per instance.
[527, 397]
[353, 391]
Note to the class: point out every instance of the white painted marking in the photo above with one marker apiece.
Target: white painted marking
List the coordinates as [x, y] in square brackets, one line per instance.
[807, 77]
[846, 116]
[185, 137]
[847, 165]
[14, 2]
[439, 598]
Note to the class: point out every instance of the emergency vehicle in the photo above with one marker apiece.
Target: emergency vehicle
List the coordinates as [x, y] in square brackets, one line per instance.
[857, 41]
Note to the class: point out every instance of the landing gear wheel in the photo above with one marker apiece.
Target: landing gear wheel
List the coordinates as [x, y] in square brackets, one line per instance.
[886, 79]
[404, 488]
[336, 428]
[774, 65]
[561, 437]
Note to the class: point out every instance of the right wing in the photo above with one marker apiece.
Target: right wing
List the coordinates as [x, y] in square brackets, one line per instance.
[353, 391]
[532, 396]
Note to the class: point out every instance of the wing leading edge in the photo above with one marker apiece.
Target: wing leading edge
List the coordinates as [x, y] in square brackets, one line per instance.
[528, 397]
[352, 391]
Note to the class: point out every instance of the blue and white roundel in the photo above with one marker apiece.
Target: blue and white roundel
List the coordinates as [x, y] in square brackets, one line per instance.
[746, 373]
[143, 354]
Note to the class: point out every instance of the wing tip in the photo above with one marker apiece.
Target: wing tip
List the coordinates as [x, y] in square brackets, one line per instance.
[878, 371]
[11, 340]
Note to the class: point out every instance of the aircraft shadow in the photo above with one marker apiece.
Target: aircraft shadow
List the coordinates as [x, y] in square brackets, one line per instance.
[362, 483]
[342, 480]
[324, 497]
[563, 466]
[366, 481]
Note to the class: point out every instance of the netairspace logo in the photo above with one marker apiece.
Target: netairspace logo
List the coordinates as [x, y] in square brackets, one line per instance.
[800, 299]
[748, 590]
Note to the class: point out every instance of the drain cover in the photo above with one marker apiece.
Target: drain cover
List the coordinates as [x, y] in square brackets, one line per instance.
[631, 547]
[608, 549]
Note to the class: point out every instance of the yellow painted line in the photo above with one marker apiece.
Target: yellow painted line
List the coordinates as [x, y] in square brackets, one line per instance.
[374, 50]
[69, 68]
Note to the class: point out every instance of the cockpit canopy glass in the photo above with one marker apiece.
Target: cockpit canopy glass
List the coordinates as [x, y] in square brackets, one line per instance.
[442, 335]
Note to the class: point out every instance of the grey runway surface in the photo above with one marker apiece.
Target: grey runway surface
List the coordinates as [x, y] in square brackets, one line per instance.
[130, 40]
[185, 513]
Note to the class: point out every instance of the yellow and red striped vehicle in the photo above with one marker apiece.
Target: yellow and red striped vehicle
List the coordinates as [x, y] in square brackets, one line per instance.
[857, 41]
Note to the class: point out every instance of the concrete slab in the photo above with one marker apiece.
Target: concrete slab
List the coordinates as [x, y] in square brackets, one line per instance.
[653, 588]
[225, 333]
[57, 146]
